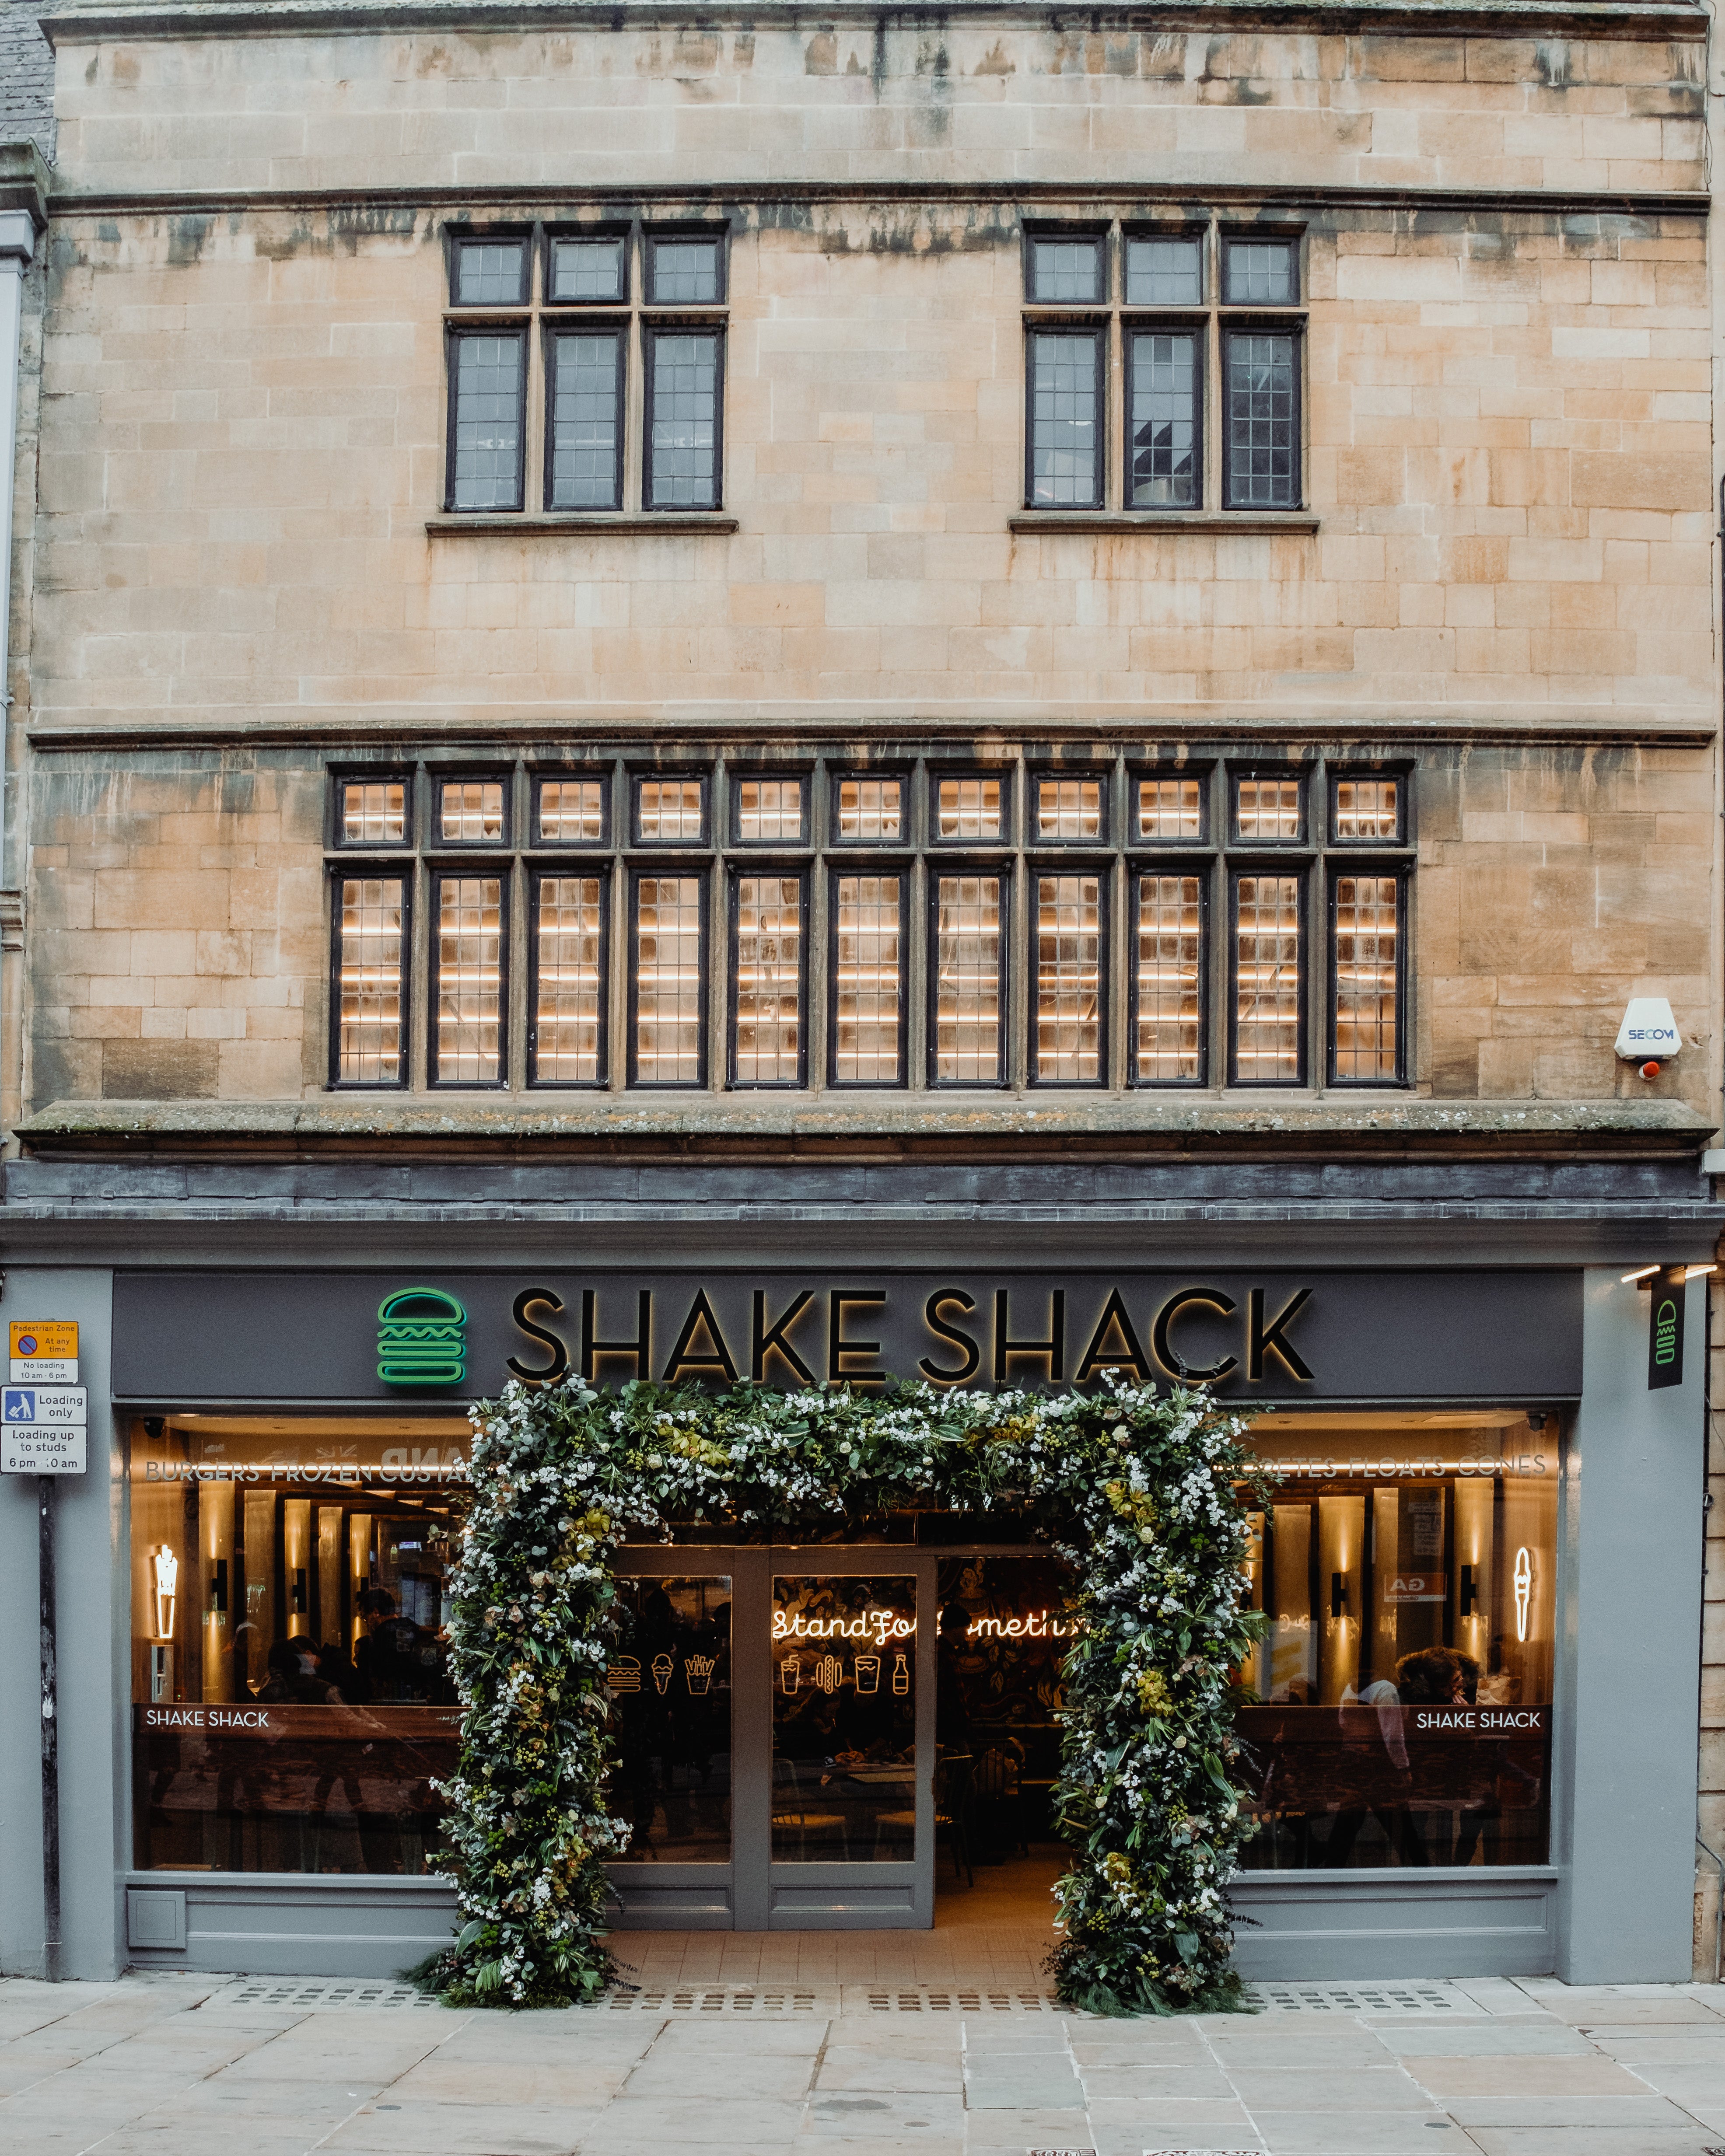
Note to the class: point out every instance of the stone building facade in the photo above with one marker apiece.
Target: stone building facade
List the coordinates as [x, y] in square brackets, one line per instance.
[1233, 500]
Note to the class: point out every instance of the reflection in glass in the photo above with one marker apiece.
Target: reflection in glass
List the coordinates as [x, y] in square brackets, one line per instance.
[844, 1720]
[670, 1681]
[292, 1704]
[1400, 1701]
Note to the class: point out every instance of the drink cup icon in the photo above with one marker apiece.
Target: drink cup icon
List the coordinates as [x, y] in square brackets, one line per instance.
[790, 1672]
[868, 1673]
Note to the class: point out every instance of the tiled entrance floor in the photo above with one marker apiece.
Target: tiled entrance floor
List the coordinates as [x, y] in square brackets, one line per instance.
[992, 1936]
[179, 2066]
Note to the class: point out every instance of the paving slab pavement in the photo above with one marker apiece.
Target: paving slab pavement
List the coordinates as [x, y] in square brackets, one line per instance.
[159, 2065]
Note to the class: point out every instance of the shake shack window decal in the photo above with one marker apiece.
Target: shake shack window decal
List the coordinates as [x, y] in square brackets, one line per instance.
[1664, 1329]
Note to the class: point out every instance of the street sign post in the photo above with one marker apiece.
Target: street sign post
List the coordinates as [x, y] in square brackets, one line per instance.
[44, 1353]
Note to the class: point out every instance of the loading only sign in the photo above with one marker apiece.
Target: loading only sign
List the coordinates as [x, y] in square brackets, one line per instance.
[42, 1429]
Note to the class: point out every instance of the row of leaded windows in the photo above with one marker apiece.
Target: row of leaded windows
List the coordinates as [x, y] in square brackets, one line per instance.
[1190, 1004]
[562, 313]
[1199, 323]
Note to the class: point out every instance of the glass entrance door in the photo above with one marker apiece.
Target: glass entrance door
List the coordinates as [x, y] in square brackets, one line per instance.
[774, 1710]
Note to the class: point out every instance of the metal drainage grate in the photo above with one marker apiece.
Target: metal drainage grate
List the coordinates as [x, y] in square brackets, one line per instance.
[1362, 1999]
[289, 1991]
[649, 2000]
[954, 2002]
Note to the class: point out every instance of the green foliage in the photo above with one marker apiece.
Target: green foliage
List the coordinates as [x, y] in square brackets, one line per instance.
[1133, 1489]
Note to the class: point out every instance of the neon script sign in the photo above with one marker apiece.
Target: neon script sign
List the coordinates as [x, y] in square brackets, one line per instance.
[879, 1625]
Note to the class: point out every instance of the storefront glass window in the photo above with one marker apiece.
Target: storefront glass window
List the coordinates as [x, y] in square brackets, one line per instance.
[844, 1720]
[669, 1681]
[1004, 1631]
[292, 1702]
[1400, 1707]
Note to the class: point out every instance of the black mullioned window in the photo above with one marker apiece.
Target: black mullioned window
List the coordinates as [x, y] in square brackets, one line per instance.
[1262, 371]
[1166, 422]
[684, 370]
[488, 396]
[1065, 393]
[584, 431]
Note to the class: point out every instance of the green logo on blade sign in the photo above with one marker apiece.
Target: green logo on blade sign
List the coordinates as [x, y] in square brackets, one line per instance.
[421, 1338]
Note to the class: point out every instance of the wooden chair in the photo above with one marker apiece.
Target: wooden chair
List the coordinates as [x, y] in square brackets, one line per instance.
[792, 1816]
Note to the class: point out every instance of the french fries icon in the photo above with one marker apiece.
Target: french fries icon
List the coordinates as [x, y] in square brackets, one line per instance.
[698, 1670]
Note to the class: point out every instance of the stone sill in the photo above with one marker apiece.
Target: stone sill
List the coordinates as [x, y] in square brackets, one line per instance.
[586, 527]
[1174, 523]
[1009, 1128]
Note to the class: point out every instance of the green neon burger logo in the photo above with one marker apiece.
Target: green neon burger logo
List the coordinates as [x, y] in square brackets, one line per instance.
[421, 1338]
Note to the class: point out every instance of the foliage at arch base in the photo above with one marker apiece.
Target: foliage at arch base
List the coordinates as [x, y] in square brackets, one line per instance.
[1133, 1488]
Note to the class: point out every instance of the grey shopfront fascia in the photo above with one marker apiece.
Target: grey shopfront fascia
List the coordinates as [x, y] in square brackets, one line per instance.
[1613, 1904]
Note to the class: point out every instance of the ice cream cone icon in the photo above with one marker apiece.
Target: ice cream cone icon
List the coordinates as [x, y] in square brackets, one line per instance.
[901, 1674]
[662, 1668]
[790, 1672]
[698, 1670]
[868, 1673]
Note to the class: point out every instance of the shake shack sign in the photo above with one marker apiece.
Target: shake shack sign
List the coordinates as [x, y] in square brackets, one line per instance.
[180, 1338]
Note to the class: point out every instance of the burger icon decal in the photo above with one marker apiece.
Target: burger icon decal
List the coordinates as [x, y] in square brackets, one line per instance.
[422, 1338]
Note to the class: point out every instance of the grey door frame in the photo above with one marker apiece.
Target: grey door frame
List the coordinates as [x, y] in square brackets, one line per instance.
[752, 1893]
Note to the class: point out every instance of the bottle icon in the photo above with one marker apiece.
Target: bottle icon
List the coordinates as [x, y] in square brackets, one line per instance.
[868, 1673]
[901, 1675]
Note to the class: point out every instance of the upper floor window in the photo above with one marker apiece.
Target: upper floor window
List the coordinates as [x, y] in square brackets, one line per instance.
[548, 322]
[1200, 327]
[741, 924]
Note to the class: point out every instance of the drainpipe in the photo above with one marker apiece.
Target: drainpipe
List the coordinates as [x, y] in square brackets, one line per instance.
[20, 220]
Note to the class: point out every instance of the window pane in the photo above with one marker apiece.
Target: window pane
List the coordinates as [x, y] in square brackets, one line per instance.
[769, 809]
[470, 980]
[768, 981]
[369, 1046]
[1367, 808]
[670, 1682]
[374, 811]
[1170, 809]
[685, 270]
[670, 809]
[1165, 420]
[1387, 1608]
[1262, 271]
[868, 980]
[1267, 807]
[490, 273]
[1063, 420]
[568, 1011]
[488, 422]
[669, 965]
[1069, 807]
[969, 809]
[587, 269]
[585, 449]
[1069, 981]
[1368, 942]
[684, 450]
[871, 809]
[967, 1042]
[471, 809]
[843, 1721]
[1170, 981]
[1164, 272]
[572, 811]
[1067, 270]
[1267, 980]
[1263, 451]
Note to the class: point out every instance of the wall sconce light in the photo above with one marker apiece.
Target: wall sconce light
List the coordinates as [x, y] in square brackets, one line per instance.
[1338, 1593]
[218, 1585]
[1470, 1588]
[1524, 1591]
[165, 1567]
